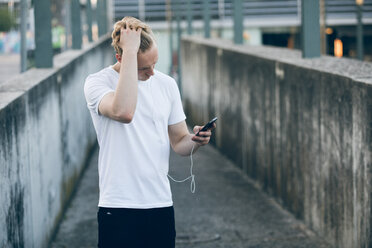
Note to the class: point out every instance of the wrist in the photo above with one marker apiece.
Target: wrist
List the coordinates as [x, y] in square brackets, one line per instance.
[129, 52]
[197, 145]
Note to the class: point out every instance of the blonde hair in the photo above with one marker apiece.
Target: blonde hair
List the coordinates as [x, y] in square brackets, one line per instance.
[147, 37]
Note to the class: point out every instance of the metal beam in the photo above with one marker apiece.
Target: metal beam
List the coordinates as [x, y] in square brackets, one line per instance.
[67, 22]
[238, 22]
[359, 30]
[76, 24]
[169, 11]
[105, 16]
[24, 8]
[99, 17]
[207, 18]
[142, 10]
[189, 17]
[89, 20]
[322, 20]
[310, 29]
[43, 34]
[179, 33]
[102, 15]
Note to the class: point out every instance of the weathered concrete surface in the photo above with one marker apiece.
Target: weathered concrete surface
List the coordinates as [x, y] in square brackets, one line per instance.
[225, 204]
[45, 136]
[300, 128]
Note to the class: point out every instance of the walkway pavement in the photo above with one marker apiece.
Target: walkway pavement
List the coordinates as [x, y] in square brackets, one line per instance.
[226, 211]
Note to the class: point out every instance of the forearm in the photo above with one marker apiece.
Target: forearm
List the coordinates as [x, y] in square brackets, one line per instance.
[125, 96]
[185, 145]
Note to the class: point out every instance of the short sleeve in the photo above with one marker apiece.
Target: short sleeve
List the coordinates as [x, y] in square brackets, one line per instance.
[95, 88]
[177, 114]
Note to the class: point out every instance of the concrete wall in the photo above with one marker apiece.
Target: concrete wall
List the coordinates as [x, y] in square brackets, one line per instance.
[45, 138]
[300, 128]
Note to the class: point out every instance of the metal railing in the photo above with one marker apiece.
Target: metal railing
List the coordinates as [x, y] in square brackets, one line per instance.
[155, 10]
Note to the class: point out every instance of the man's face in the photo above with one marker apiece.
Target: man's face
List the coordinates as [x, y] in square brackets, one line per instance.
[146, 63]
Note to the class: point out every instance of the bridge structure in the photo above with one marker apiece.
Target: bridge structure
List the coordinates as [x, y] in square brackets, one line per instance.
[289, 164]
[255, 12]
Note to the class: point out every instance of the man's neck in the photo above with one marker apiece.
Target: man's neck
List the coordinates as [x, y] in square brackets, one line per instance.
[116, 67]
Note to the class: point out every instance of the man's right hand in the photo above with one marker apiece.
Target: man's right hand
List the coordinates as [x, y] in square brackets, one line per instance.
[130, 39]
[121, 104]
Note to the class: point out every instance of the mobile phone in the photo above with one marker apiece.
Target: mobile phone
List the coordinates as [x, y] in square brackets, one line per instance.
[207, 126]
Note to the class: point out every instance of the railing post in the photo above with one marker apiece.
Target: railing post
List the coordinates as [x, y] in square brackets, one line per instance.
[76, 24]
[169, 10]
[179, 33]
[141, 10]
[359, 5]
[67, 22]
[89, 21]
[101, 13]
[323, 37]
[207, 18]
[43, 34]
[238, 22]
[310, 29]
[24, 8]
[189, 17]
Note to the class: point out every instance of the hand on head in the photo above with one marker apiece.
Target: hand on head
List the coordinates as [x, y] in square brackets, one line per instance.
[130, 38]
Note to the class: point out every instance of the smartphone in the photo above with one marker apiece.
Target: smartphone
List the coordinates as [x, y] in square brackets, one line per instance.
[207, 126]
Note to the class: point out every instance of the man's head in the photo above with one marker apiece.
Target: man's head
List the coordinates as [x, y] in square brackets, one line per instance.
[147, 53]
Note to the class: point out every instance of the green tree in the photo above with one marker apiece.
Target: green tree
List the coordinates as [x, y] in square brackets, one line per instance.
[7, 21]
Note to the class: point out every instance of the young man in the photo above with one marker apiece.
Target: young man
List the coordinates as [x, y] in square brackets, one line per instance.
[137, 114]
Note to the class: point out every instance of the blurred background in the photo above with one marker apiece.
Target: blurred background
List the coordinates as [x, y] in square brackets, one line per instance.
[265, 22]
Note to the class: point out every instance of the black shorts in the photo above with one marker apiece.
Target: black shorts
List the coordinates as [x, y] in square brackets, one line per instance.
[136, 228]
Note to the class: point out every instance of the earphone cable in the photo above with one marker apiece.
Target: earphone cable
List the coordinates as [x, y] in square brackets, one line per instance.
[192, 176]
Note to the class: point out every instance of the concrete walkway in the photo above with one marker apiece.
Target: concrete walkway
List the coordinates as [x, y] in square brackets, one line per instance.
[226, 211]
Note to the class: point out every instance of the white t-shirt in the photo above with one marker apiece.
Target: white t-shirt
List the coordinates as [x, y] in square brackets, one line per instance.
[134, 158]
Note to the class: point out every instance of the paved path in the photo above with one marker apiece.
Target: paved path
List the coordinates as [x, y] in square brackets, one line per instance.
[226, 211]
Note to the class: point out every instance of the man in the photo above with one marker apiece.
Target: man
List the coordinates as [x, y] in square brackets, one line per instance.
[137, 113]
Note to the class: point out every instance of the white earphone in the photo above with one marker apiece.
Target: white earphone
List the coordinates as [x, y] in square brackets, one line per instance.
[192, 176]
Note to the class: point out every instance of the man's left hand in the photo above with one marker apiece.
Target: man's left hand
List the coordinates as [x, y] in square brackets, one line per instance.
[203, 137]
